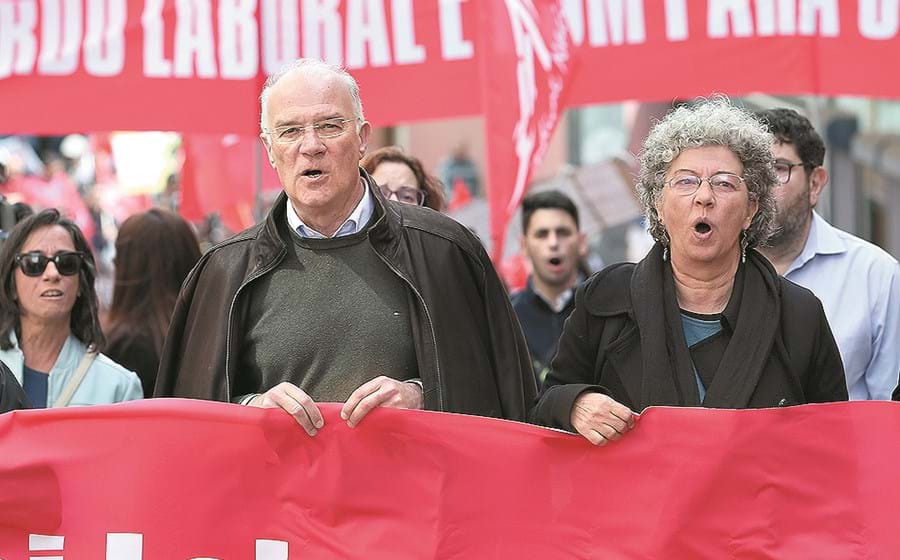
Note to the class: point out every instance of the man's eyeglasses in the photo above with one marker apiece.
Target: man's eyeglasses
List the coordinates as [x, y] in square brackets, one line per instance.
[406, 195]
[329, 128]
[34, 263]
[783, 170]
[720, 183]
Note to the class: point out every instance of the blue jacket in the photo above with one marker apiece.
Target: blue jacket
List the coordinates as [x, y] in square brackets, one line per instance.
[106, 382]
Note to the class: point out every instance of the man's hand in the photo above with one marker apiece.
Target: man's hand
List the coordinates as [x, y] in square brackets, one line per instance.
[295, 402]
[381, 391]
[600, 419]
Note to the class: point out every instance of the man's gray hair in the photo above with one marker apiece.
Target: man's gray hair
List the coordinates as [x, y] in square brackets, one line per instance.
[312, 65]
[710, 122]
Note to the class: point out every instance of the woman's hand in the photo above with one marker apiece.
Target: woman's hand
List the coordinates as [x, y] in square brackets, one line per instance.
[600, 419]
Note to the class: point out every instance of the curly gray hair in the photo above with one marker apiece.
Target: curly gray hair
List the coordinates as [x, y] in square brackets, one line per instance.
[710, 122]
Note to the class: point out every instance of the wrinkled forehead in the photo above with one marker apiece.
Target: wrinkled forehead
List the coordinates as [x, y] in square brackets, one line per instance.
[310, 93]
[706, 160]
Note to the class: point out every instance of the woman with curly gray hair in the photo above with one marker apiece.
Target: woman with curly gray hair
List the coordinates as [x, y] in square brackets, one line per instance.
[703, 319]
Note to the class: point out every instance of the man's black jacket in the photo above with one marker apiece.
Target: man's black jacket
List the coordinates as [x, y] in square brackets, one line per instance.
[471, 354]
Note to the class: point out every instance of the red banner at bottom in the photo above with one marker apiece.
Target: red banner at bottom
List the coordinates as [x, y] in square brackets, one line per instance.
[178, 480]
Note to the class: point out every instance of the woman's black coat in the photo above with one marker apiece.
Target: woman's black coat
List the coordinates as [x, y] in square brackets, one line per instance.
[625, 339]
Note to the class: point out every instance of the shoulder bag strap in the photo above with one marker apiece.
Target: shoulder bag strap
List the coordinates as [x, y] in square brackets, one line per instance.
[76, 380]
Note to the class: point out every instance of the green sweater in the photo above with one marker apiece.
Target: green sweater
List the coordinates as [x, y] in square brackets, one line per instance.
[330, 317]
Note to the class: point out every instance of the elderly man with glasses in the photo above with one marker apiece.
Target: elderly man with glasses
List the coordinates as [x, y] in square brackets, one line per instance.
[340, 295]
[858, 283]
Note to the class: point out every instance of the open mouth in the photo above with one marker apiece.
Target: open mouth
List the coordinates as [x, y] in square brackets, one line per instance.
[555, 261]
[312, 173]
[702, 227]
[52, 293]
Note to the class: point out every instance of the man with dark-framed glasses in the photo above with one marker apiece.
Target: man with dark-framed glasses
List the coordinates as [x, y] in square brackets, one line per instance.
[858, 283]
[340, 295]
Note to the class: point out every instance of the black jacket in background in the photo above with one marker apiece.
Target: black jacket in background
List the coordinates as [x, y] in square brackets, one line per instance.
[625, 339]
[12, 396]
[471, 355]
[135, 351]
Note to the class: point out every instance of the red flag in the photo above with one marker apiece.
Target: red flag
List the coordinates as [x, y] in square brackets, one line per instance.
[524, 75]
[461, 195]
[514, 271]
[58, 191]
[219, 174]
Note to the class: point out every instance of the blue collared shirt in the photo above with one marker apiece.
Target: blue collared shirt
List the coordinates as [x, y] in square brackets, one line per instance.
[355, 222]
[859, 285]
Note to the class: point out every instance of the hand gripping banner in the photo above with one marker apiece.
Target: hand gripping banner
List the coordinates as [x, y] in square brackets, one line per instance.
[179, 480]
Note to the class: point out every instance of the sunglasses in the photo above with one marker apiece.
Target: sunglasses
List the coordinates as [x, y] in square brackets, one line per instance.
[34, 263]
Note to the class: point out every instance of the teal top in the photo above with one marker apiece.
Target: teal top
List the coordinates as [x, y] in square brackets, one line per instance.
[696, 330]
[105, 382]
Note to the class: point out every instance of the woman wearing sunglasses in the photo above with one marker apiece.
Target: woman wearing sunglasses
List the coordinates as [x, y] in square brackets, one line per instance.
[402, 177]
[49, 320]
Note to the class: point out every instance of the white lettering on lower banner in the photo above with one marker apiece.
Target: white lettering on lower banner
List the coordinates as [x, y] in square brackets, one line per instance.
[124, 546]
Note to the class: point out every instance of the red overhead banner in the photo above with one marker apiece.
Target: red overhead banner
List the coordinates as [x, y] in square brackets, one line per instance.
[198, 65]
[180, 480]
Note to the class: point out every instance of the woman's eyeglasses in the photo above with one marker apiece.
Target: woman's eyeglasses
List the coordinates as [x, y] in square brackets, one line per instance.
[720, 183]
[406, 195]
[34, 263]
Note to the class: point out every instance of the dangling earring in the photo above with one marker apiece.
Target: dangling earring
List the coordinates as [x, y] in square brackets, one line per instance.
[665, 242]
[744, 244]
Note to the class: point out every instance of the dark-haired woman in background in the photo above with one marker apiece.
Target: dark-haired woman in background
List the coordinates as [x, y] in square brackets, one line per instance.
[402, 177]
[155, 250]
[49, 322]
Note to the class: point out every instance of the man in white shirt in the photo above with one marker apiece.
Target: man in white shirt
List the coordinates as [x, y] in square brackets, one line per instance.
[858, 283]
